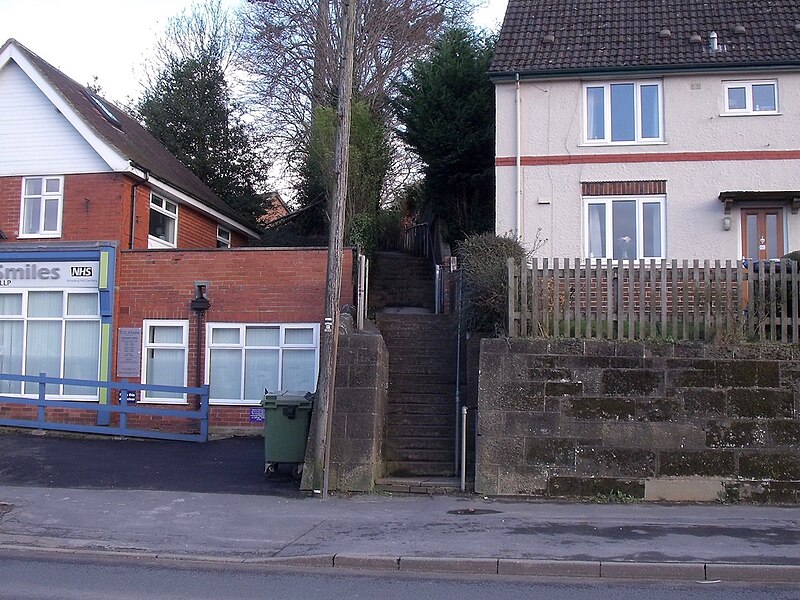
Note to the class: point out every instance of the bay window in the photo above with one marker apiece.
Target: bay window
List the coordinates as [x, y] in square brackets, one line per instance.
[624, 227]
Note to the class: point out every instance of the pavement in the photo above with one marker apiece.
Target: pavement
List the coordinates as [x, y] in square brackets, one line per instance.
[181, 501]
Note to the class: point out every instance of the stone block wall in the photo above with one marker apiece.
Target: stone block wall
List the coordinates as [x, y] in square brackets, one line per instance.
[362, 380]
[586, 418]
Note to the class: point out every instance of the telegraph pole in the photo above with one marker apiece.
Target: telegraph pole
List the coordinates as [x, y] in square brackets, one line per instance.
[333, 287]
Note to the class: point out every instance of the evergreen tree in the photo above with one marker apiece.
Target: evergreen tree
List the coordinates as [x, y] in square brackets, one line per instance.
[446, 110]
[188, 107]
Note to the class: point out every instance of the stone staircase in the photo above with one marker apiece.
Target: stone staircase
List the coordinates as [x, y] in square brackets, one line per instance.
[400, 280]
[420, 422]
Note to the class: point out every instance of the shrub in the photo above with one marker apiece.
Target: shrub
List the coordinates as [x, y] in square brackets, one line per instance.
[484, 261]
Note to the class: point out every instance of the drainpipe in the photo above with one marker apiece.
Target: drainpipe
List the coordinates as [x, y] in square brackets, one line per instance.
[518, 114]
[133, 208]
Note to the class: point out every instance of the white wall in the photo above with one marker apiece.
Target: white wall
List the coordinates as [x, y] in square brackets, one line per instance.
[552, 122]
[36, 138]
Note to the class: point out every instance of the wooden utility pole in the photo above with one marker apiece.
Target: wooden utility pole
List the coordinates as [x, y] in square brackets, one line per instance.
[333, 287]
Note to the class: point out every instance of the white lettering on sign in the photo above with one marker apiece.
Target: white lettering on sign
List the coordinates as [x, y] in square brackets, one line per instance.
[80, 271]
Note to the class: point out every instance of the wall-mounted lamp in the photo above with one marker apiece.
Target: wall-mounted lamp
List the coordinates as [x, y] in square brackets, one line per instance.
[200, 301]
[726, 222]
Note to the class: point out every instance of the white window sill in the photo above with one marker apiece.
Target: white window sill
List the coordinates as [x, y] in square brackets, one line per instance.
[625, 144]
[172, 401]
[248, 403]
[760, 113]
[31, 236]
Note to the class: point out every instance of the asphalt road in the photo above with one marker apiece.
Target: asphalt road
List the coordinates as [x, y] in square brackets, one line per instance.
[229, 466]
[29, 578]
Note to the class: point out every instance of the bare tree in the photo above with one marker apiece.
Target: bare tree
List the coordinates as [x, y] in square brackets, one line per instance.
[291, 51]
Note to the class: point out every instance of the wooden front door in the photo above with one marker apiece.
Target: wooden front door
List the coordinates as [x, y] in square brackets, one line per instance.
[762, 233]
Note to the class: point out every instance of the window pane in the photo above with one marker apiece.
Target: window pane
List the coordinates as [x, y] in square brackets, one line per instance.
[299, 336]
[299, 370]
[45, 304]
[30, 219]
[225, 375]
[262, 336]
[52, 186]
[81, 354]
[162, 226]
[623, 214]
[171, 207]
[10, 304]
[224, 335]
[43, 353]
[50, 215]
[82, 304]
[33, 187]
[597, 231]
[650, 121]
[651, 233]
[165, 367]
[166, 334]
[260, 373]
[595, 113]
[11, 354]
[764, 97]
[772, 236]
[737, 98]
[623, 118]
[752, 237]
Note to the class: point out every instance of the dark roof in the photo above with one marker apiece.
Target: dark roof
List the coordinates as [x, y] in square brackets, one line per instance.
[127, 136]
[558, 37]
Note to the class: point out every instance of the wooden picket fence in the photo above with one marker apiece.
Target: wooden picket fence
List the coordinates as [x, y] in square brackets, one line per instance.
[655, 299]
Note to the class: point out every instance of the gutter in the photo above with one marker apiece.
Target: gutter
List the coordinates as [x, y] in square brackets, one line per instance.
[501, 76]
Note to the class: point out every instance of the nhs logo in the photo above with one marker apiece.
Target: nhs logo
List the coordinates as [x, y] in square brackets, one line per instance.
[81, 271]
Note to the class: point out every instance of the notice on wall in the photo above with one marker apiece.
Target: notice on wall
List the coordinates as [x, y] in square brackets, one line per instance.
[129, 352]
[256, 415]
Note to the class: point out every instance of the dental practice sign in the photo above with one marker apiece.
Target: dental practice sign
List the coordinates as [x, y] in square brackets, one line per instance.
[47, 274]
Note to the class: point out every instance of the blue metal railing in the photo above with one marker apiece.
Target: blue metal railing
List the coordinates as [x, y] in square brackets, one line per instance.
[104, 411]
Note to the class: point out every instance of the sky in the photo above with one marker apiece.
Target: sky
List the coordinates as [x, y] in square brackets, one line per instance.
[110, 39]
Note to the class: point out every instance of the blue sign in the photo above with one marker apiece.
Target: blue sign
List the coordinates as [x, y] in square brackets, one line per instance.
[256, 415]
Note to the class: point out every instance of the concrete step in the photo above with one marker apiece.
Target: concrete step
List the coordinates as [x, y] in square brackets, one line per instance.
[421, 409]
[394, 419]
[396, 432]
[422, 380]
[419, 455]
[421, 443]
[422, 399]
[421, 468]
[410, 386]
[432, 485]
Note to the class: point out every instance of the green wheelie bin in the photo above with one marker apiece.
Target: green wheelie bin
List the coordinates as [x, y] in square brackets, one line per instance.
[287, 417]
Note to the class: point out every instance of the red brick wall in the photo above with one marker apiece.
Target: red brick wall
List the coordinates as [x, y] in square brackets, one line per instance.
[97, 207]
[248, 285]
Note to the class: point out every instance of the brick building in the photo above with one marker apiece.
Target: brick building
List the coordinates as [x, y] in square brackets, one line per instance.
[106, 238]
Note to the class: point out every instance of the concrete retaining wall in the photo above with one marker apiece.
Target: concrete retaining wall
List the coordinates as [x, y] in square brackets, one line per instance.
[682, 421]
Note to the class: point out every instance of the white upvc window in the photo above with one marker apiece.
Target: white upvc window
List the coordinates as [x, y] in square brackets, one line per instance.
[751, 97]
[55, 332]
[626, 112]
[164, 358]
[624, 227]
[242, 360]
[223, 237]
[163, 223]
[42, 206]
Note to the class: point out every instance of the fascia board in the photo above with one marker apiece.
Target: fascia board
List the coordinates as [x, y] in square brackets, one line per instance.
[108, 153]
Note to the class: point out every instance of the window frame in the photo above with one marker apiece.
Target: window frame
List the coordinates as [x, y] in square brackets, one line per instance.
[156, 242]
[43, 196]
[242, 345]
[222, 240]
[147, 324]
[748, 84]
[608, 201]
[24, 317]
[607, 124]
